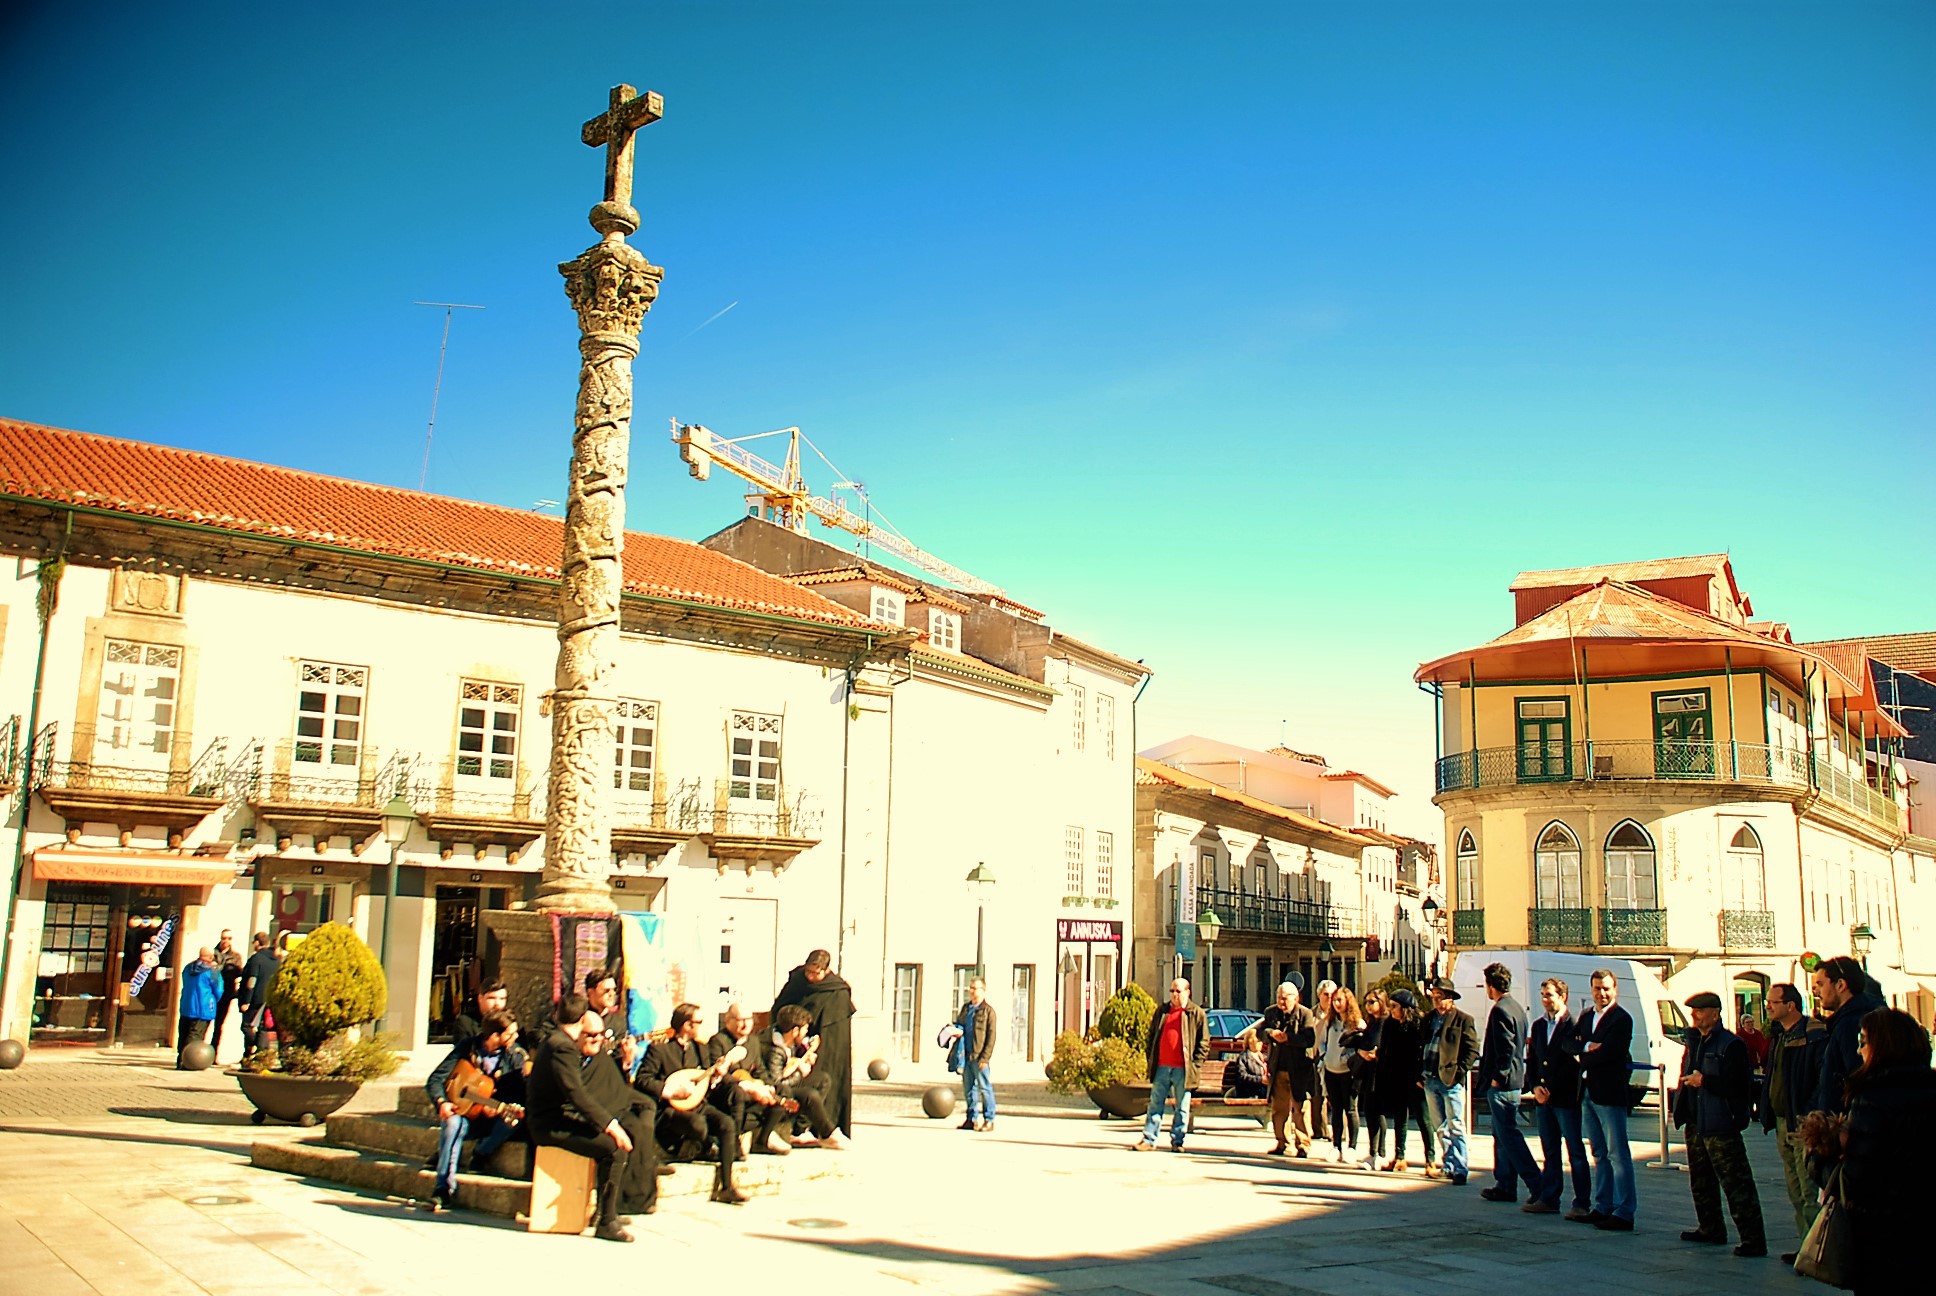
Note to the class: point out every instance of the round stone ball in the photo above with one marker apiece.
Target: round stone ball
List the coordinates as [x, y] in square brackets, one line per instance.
[877, 1069]
[11, 1054]
[939, 1102]
[197, 1056]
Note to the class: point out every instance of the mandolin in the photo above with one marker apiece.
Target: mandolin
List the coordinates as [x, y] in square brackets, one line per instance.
[685, 1090]
[471, 1091]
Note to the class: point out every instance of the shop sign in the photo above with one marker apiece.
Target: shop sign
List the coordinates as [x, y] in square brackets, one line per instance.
[1096, 930]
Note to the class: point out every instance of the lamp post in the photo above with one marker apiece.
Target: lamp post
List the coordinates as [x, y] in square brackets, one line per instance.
[1862, 940]
[981, 880]
[1208, 925]
[1431, 911]
[1326, 952]
[397, 818]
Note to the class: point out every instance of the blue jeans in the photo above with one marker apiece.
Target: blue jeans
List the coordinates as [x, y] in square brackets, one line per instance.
[1512, 1160]
[1613, 1173]
[1558, 1123]
[979, 1091]
[1446, 1104]
[1165, 1084]
[450, 1145]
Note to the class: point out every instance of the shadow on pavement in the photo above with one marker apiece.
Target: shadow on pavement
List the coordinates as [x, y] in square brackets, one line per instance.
[184, 1115]
[239, 1147]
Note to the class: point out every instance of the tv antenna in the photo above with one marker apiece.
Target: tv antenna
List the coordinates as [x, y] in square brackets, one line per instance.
[423, 474]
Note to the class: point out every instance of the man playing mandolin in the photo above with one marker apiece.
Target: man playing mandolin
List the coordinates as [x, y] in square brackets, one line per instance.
[676, 1075]
[743, 1093]
[478, 1089]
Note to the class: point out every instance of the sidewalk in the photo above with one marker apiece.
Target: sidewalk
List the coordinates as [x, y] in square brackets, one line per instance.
[1052, 1201]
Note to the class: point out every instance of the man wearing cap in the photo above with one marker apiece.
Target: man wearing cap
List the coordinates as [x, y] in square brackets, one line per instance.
[1451, 1050]
[1712, 1106]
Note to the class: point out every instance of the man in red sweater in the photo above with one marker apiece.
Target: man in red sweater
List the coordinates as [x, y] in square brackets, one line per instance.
[1179, 1043]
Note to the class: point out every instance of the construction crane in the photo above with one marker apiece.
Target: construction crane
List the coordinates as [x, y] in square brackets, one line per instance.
[780, 496]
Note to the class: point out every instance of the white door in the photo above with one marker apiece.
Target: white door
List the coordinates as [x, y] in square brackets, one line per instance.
[748, 954]
[136, 723]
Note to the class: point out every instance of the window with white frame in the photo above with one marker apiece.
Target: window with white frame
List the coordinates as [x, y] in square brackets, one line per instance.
[487, 729]
[755, 757]
[1105, 864]
[140, 684]
[1745, 878]
[1079, 698]
[329, 716]
[889, 606]
[1466, 875]
[1072, 860]
[944, 630]
[1106, 724]
[637, 728]
[1631, 877]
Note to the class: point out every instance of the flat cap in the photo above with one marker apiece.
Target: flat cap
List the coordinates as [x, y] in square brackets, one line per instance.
[1705, 999]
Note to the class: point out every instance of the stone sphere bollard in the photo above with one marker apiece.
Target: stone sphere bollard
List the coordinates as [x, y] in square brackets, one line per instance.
[11, 1054]
[877, 1069]
[939, 1102]
[196, 1056]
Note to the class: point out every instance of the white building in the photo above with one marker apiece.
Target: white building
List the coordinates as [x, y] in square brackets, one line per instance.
[246, 663]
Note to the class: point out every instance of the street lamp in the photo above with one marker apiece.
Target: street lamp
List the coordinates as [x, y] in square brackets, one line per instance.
[1862, 940]
[980, 882]
[1208, 925]
[397, 818]
[1432, 910]
[1326, 952]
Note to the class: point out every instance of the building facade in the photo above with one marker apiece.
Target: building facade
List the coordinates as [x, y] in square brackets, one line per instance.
[1640, 767]
[243, 665]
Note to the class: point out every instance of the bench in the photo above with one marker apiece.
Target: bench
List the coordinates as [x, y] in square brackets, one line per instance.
[1207, 1097]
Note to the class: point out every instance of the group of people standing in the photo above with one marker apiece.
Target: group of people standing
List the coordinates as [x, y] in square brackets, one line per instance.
[632, 1105]
[220, 979]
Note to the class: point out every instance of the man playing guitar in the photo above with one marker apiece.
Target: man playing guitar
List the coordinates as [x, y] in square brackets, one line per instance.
[792, 1075]
[478, 1089]
[743, 1092]
[677, 1076]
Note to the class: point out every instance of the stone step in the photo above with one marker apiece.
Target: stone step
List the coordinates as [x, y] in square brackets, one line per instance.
[415, 1137]
[413, 1101]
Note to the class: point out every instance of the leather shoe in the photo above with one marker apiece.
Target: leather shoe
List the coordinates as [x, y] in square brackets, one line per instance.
[613, 1231]
[1458, 1181]
[1497, 1195]
[1578, 1216]
[1695, 1235]
[1788, 1258]
[728, 1195]
[1537, 1207]
[967, 1125]
[1614, 1224]
[1748, 1251]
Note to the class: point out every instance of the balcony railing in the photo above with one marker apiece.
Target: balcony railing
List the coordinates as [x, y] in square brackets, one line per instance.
[1468, 927]
[1758, 763]
[1747, 929]
[1241, 911]
[207, 777]
[1633, 927]
[1548, 927]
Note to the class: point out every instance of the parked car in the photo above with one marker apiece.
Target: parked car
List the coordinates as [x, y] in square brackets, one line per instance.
[1226, 1024]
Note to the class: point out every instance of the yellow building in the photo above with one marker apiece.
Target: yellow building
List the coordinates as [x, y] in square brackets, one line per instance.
[1641, 768]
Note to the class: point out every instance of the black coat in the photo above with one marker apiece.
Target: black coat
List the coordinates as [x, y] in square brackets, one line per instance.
[1395, 1071]
[1549, 1063]
[257, 973]
[507, 1085]
[1726, 1097]
[665, 1057]
[1840, 1054]
[567, 1095]
[1796, 1057]
[830, 1005]
[1297, 1055]
[1885, 1176]
[1607, 1070]
[1502, 1058]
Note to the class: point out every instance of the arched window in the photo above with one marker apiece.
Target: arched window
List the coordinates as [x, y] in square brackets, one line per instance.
[1467, 876]
[1744, 877]
[1556, 869]
[1630, 868]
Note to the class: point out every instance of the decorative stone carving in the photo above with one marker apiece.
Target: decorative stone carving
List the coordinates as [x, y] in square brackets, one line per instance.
[611, 286]
[151, 593]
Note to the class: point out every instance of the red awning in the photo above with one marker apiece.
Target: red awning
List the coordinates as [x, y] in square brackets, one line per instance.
[147, 868]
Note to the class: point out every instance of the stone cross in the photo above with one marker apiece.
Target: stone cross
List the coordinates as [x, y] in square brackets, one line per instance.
[613, 132]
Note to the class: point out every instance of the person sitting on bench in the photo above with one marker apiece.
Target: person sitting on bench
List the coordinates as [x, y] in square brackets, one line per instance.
[1249, 1076]
[794, 1078]
[676, 1075]
[493, 1117]
[569, 1107]
[749, 1100]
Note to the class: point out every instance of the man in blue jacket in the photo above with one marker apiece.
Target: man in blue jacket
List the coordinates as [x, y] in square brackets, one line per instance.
[1712, 1106]
[1502, 1074]
[201, 991]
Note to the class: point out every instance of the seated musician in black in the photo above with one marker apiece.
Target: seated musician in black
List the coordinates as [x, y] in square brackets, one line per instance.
[492, 1051]
[577, 1100]
[682, 1130]
[492, 997]
[749, 1101]
[793, 1077]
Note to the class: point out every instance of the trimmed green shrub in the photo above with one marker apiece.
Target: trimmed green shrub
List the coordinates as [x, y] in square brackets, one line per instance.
[328, 984]
[1077, 1065]
[1127, 1017]
[1396, 980]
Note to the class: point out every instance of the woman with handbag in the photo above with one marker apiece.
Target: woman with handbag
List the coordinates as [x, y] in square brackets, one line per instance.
[1876, 1166]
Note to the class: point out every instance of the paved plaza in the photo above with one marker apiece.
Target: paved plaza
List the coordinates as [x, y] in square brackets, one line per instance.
[119, 1175]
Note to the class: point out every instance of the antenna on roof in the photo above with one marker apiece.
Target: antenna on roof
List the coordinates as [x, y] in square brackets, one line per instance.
[423, 474]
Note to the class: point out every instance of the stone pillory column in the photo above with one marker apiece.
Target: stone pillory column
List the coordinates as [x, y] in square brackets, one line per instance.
[611, 286]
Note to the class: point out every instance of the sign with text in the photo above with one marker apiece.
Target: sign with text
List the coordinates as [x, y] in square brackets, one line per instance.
[1089, 929]
[1186, 906]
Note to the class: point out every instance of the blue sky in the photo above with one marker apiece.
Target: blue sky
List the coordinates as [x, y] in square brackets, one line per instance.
[1265, 343]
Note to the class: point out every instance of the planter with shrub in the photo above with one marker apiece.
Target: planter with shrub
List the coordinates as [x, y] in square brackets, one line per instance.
[1109, 1065]
[326, 998]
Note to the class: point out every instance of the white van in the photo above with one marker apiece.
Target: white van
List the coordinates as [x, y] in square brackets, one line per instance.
[1658, 1018]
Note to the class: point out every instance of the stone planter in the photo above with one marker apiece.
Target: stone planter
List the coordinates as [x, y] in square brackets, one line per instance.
[302, 1100]
[1123, 1101]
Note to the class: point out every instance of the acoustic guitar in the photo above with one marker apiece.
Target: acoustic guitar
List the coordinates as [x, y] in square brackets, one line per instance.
[685, 1090]
[472, 1092]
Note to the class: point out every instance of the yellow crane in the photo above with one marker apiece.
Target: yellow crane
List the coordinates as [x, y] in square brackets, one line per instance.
[780, 496]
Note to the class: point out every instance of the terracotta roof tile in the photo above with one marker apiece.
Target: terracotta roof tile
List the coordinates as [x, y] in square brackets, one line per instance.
[162, 482]
[1906, 652]
[1150, 773]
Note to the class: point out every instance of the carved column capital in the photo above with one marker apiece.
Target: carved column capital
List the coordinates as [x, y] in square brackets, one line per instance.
[611, 285]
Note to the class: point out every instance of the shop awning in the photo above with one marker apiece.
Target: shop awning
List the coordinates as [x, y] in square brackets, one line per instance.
[145, 868]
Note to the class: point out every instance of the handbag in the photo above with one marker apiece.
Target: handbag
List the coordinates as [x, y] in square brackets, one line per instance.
[1827, 1254]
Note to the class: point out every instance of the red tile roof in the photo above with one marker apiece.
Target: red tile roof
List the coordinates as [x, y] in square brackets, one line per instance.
[205, 490]
[1906, 652]
[1155, 773]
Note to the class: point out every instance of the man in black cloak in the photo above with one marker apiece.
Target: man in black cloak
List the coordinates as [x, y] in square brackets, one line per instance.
[829, 1000]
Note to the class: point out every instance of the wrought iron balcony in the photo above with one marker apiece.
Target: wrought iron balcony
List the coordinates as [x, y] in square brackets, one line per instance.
[1468, 927]
[1633, 927]
[1553, 927]
[1244, 912]
[1747, 929]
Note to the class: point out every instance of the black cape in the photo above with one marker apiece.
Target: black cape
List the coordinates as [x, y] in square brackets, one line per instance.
[830, 1004]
